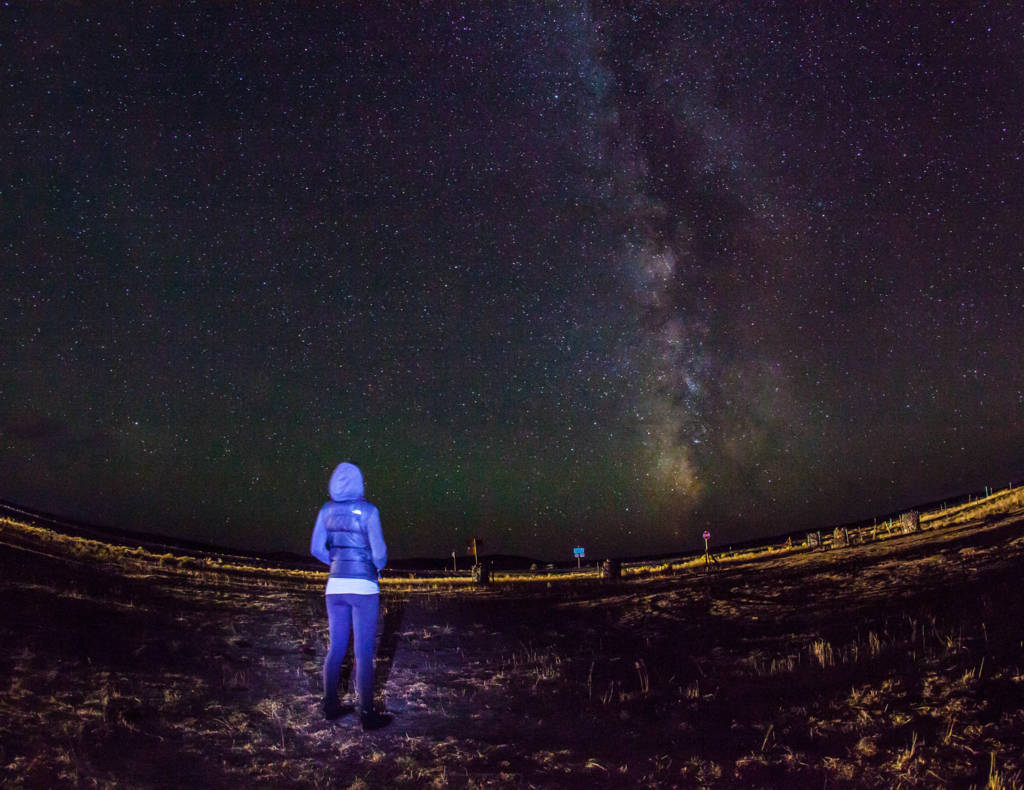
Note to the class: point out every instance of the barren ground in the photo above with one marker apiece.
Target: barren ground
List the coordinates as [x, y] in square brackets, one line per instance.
[896, 663]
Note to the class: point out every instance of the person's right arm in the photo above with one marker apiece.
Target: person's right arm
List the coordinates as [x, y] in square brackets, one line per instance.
[378, 547]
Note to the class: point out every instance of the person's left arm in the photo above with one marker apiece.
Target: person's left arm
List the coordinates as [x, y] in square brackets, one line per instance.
[318, 543]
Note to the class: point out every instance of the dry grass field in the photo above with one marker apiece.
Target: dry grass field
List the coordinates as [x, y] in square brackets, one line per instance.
[898, 662]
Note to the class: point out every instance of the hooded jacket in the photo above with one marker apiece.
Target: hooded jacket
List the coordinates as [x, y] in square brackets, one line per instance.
[347, 535]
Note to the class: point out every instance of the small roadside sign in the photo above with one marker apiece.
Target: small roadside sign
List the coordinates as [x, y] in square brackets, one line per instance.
[578, 552]
[708, 556]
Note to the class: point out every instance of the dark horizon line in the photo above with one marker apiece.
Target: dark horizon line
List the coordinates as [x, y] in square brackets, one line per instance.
[107, 533]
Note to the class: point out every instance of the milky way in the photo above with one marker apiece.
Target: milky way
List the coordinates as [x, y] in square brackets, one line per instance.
[827, 241]
[554, 275]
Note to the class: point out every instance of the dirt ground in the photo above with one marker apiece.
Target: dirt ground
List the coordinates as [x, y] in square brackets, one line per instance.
[893, 664]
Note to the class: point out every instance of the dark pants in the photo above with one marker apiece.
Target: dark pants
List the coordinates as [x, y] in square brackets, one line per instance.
[358, 614]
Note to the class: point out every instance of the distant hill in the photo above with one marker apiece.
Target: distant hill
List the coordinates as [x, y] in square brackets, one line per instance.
[158, 544]
[498, 562]
[285, 559]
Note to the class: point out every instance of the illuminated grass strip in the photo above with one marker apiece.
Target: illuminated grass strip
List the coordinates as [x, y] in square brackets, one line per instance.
[89, 548]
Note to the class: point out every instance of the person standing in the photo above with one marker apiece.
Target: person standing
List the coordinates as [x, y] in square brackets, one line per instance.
[347, 536]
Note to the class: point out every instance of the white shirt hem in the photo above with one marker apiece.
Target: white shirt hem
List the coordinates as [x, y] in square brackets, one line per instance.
[337, 586]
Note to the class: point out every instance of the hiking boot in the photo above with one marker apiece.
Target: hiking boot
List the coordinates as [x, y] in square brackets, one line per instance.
[333, 709]
[372, 720]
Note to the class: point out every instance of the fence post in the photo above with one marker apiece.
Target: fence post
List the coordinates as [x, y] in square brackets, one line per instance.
[611, 569]
[910, 522]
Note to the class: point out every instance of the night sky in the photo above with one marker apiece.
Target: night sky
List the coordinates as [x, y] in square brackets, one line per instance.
[552, 274]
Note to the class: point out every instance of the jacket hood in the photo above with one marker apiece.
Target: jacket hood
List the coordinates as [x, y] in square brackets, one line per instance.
[346, 483]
